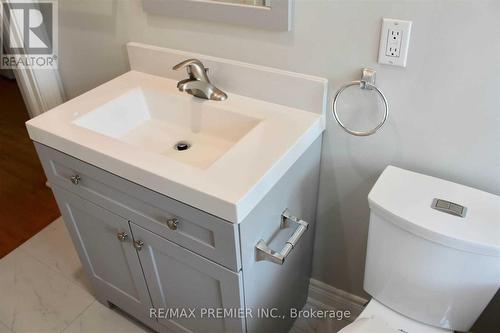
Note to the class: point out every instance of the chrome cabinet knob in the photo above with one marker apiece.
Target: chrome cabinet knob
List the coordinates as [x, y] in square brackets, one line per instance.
[172, 223]
[138, 245]
[122, 236]
[75, 179]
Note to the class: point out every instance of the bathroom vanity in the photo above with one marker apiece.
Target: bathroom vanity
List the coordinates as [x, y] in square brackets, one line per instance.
[214, 238]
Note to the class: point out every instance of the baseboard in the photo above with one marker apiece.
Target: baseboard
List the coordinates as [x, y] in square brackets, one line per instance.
[327, 297]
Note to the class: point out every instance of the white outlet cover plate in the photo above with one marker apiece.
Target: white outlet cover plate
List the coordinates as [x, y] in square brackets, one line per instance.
[394, 34]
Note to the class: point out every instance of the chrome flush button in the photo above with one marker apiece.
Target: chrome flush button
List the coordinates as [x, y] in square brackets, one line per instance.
[449, 207]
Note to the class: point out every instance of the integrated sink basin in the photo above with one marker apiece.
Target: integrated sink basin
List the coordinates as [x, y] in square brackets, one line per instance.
[187, 130]
[221, 157]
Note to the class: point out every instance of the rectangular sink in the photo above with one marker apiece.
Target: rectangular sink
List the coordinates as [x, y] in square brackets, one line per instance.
[239, 147]
[157, 122]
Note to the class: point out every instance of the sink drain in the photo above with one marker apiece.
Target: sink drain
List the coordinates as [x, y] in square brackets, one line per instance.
[182, 145]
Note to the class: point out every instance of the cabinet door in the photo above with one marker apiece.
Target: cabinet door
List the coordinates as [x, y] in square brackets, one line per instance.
[111, 262]
[180, 280]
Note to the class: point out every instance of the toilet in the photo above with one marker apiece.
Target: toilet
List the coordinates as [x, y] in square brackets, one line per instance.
[433, 255]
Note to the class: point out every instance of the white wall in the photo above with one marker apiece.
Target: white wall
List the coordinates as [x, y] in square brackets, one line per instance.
[445, 106]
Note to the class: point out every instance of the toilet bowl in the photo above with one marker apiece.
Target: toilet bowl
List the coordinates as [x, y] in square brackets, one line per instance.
[433, 255]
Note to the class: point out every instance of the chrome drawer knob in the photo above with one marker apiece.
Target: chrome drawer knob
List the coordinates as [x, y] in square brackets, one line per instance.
[122, 236]
[172, 223]
[75, 179]
[138, 244]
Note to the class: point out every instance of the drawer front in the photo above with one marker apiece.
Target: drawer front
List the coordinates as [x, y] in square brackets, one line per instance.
[196, 230]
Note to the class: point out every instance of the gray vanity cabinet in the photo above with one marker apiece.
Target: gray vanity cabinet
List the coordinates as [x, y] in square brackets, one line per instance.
[180, 279]
[104, 243]
[144, 251]
[128, 263]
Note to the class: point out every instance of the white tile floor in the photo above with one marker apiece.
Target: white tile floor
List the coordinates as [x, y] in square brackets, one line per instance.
[43, 290]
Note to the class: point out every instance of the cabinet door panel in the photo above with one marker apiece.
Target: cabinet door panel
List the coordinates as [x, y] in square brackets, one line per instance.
[180, 279]
[112, 265]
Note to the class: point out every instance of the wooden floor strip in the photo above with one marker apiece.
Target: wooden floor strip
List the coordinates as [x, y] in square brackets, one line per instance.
[26, 204]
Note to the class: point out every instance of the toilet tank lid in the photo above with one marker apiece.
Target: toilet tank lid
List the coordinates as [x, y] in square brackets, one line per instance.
[405, 198]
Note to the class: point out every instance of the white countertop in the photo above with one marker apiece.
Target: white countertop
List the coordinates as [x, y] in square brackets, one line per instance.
[229, 188]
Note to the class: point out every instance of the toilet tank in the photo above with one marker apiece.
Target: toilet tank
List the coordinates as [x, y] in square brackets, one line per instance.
[429, 265]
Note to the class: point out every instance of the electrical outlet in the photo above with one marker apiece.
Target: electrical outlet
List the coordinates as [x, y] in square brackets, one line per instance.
[393, 45]
[394, 42]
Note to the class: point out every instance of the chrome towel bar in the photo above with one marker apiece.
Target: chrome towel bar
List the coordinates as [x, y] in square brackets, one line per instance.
[367, 82]
[264, 252]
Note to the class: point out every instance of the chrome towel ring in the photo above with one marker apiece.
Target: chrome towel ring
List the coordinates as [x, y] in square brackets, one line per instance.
[367, 82]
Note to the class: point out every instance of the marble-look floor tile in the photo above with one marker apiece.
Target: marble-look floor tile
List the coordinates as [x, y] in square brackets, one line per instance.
[53, 247]
[98, 318]
[4, 329]
[35, 298]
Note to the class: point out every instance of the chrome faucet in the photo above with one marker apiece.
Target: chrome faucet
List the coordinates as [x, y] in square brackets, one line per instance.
[198, 83]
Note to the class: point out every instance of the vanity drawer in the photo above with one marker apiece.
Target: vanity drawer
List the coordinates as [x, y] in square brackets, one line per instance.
[198, 231]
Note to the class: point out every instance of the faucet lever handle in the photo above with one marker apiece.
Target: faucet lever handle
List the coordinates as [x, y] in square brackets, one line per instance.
[195, 69]
[187, 62]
